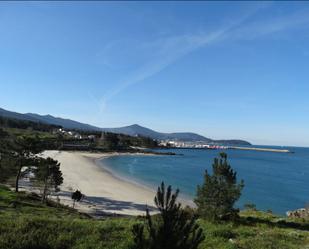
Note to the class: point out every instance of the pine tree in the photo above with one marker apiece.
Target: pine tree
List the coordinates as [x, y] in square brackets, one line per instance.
[216, 197]
[172, 228]
[49, 174]
[4, 154]
[24, 150]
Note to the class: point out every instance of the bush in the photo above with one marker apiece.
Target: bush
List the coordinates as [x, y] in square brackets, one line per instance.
[250, 206]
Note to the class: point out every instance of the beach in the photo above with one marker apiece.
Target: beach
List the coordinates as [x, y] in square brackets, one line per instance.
[105, 193]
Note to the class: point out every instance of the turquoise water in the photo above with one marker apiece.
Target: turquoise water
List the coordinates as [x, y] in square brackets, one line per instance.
[275, 181]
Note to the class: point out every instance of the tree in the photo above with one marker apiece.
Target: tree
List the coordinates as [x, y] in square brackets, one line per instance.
[49, 174]
[16, 152]
[172, 228]
[76, 196]
[216, 197]
[24, 150]
[110, 140]
[7, 170]
[4, 153]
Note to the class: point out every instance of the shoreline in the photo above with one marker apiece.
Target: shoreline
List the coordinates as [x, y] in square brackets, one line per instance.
[119, 177]
[184, 199]
[105, 193]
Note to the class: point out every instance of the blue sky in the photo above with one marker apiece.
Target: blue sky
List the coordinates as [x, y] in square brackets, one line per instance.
[224, 70]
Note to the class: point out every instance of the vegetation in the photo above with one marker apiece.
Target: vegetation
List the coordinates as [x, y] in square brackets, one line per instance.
[52, 138]
[31, 224]
[24, 124]
[21, 141]
[173, 228]
[4, 158]
[28, 223]
[76, 196]
[250, 206]
[111, 141]
[216, 197]
[21, 152]
[48, 176]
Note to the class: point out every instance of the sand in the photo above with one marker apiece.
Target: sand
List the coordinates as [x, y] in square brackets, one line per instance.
[104, 192]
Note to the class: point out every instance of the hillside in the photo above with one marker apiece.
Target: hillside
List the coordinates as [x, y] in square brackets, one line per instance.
[48, 119]
[131, 130]
[27, 223]
[136, 129]
[65, 123]
[51, 138]
[16, 115]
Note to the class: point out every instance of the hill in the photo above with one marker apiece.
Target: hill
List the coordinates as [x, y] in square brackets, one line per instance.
[16, 115]
[65, 123]
[49, 119]
[132, 130]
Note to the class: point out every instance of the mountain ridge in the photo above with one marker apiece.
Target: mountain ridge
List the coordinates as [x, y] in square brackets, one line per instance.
[132, 130]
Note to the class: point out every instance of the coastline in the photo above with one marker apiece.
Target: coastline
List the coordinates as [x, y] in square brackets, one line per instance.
[105, 193]
[185, 200]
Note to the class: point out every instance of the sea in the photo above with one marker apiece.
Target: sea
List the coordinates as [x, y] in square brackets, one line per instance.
[273, 181]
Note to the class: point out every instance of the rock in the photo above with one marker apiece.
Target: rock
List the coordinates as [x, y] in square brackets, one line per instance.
[298, 213]
[232, 241]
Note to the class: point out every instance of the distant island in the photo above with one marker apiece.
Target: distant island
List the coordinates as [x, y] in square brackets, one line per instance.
[132, 130]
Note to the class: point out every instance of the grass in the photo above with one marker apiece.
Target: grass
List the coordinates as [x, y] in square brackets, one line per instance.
[26, 223]
[257, 230]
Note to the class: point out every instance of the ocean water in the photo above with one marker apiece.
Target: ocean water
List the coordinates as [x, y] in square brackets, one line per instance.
[273, 181]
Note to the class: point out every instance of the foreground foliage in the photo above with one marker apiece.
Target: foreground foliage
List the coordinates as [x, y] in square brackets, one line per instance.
[217, 195]
[26, 223]
[172, 228]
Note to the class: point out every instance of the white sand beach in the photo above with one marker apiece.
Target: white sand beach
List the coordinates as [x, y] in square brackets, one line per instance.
[104, 192]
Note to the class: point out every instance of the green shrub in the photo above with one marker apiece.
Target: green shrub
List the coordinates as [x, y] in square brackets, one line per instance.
[172, 228]
[217, 195]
